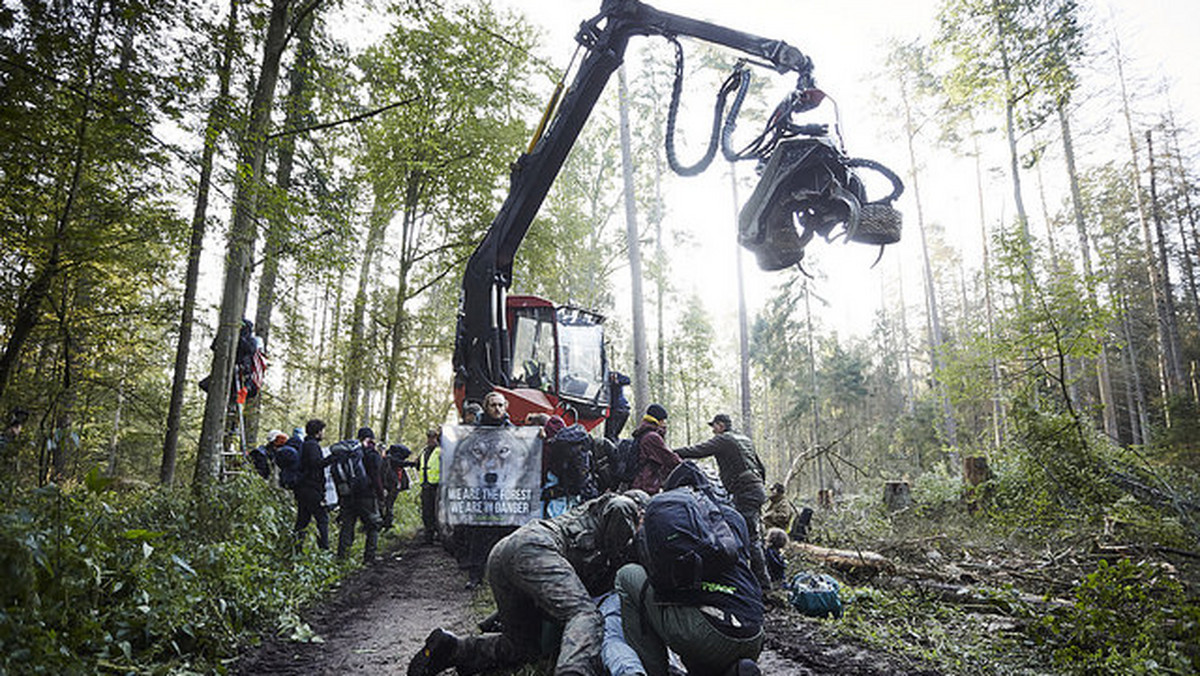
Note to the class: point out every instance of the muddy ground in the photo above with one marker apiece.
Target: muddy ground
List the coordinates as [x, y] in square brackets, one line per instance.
[379, 618]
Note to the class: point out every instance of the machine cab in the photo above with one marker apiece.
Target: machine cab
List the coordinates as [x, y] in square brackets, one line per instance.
[558, 365]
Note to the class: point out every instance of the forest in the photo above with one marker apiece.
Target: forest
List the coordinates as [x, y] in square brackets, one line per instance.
[324, 168]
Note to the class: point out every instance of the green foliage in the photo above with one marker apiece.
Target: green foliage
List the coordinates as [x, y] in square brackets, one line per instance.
[918, 626]
[137, 579]
[1125, 618]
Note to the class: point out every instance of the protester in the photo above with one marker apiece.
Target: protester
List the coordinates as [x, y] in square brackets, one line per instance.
[395, 480]
[310, 491]
[548, 568]
[429, 467]
[495, 410]
[479, 540]
[779, 511]
[362, 504]
[566, 467]
[777, 540]
[716, 627]
[472, 413]
[263, 457]
[618, 405]
[655, 460]
[742, 475]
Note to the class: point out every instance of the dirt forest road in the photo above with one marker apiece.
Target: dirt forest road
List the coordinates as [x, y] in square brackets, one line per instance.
[380, 616]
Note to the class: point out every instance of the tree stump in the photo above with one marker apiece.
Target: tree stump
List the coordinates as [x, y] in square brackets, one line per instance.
[976, 470]
[975, 473]
[896, 495]
[825, 498]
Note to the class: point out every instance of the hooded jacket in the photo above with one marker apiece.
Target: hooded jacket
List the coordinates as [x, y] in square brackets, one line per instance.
[596, 537]
[655, 460]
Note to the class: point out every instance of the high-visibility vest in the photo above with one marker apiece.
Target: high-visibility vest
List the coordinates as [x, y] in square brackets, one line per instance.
[431, 465]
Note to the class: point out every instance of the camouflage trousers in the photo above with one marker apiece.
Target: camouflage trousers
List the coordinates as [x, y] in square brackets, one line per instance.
[532, 582]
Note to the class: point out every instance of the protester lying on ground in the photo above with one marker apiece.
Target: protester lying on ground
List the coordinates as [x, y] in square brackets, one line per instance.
[552, 569]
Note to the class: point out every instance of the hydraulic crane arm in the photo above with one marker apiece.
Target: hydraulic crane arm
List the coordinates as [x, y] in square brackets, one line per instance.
[481, 358]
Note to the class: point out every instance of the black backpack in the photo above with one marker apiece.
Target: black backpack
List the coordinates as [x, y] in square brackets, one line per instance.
[623, 462]
[287, 459]
[684, 540]
[349, 473]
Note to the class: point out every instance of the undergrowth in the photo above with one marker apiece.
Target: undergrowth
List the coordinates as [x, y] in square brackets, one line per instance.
[155, 581]
[1107, 614]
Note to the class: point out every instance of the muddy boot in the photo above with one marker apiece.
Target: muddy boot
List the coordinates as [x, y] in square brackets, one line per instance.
[744, 667]
[436, 656]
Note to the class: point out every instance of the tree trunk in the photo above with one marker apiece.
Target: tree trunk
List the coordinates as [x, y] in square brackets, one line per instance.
[29, 305]
[1169, 316]
[743, 328]
[998, 413]
[976, 470]
[1185, 215]
[238, 259]
[640, 367]
[296, 105]
[357, 353]
[216, 124]
[413, 193]
[1103, 377]
[815, 437]
[910, 399]
[896, 495]
[114, 441]
[1151, 269]
[1014, 157]
[949, 424]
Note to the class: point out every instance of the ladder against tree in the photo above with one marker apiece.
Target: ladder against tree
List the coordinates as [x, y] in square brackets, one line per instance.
[233, 444]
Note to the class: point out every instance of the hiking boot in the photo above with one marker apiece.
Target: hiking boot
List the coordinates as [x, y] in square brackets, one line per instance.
[436, 656]
[744, 667]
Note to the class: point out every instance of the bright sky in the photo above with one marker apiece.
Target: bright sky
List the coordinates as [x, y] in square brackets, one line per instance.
[845, 39]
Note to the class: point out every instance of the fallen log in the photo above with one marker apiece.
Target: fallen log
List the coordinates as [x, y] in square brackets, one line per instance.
[851, 562]
[980, 599]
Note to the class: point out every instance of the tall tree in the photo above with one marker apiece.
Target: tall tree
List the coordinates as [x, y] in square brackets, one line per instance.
[239, 255]
[989, 44]
[908, 63]
[296, 104]
[1151, 270]
[641, 389]
[442, 156]
[217, 123]
[81, 194]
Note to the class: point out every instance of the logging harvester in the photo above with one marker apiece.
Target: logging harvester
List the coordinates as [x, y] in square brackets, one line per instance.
[548, 358]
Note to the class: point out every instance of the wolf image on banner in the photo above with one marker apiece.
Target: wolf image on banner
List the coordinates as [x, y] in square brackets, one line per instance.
[490, 475]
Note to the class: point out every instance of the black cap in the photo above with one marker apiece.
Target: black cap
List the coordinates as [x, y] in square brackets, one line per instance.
[657, 412]
[723, 419]
[365, 433]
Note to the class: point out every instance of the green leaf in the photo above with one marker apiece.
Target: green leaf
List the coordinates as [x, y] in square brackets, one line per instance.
[141, 534]
[96, 482]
